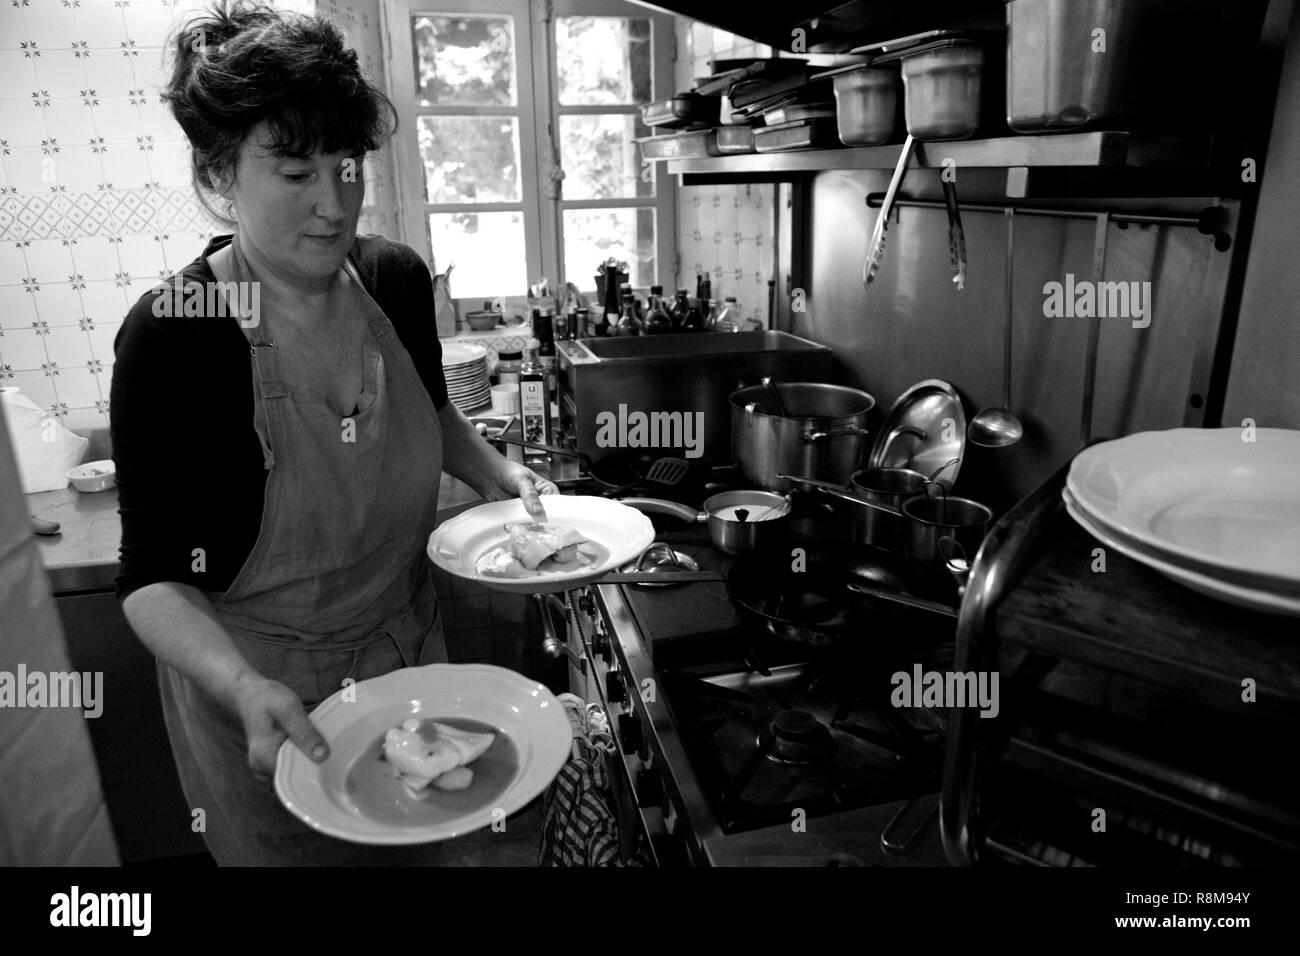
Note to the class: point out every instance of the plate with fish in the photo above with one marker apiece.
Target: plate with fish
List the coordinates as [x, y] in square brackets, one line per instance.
[501, 546]
[426, 753]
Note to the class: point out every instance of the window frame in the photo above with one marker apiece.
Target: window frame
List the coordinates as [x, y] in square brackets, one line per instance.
[538, 110]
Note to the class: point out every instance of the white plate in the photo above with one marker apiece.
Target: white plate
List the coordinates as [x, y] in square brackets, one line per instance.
[461, 353]
[528, 714]
[623, 531]
[1202, 497]
[1253, 598]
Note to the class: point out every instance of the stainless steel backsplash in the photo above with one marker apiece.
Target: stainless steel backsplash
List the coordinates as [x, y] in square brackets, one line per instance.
[913, 324]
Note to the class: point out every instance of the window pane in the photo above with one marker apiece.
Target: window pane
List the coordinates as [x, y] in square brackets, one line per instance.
[603, 60]
[487, 249]
[470, 158]
[593, 235]
[600, 160]
[464, 60]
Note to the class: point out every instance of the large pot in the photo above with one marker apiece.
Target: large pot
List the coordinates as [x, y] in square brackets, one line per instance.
[823, 435]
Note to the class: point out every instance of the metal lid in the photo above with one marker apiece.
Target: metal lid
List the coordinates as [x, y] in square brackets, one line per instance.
[924, 429]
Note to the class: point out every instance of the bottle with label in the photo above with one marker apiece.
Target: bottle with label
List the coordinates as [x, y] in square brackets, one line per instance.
[657, 320]
[534, 404]
[582, 324]
[544, 332]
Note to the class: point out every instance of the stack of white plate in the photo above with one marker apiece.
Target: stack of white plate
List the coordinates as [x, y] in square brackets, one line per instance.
[464, 366]
[1215, 509]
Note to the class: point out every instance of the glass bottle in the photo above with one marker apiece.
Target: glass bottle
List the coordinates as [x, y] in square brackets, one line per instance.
[628, 323]
[534, 404]
[677, 312]
[694, 321]
[657, 321]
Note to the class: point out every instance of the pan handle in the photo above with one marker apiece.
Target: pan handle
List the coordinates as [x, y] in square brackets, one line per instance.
[838, 491]
[662, 507]
[809, 436]
[899, 597]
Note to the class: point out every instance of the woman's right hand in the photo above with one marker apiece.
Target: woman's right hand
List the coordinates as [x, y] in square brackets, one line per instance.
[271, 712]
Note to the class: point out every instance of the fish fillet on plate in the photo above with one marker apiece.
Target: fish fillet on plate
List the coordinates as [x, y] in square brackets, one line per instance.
[441, 759]
[536, 547]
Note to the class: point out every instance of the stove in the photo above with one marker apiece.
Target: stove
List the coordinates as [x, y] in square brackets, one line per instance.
[738, 746]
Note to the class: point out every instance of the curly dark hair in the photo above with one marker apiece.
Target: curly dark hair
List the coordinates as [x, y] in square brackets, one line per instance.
[242, 63]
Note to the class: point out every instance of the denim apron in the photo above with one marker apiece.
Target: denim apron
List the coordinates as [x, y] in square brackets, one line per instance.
[337, 586]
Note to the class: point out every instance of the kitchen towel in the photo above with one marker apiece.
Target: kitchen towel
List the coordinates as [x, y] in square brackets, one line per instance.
[579, 826]
[44, 448]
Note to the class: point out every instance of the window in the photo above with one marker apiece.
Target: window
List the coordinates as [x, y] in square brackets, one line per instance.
[516, 156]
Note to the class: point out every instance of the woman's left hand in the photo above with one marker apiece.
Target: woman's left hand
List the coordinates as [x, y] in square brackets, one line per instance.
[517, 481]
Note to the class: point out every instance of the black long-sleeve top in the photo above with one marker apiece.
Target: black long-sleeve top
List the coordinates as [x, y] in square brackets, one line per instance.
[189, 464]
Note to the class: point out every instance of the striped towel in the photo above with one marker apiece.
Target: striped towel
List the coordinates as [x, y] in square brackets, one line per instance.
[579, 826]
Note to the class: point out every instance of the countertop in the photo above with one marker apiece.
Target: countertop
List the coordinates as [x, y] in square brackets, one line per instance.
[83, 556]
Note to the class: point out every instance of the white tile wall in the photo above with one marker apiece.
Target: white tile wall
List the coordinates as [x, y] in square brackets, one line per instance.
[95, 197]
[728, 231]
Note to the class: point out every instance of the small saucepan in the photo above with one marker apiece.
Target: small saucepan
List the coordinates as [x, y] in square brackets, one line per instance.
[934, 529]
[738, 521]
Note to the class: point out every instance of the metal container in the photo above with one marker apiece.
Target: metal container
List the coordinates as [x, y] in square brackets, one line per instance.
[735, 139]
[800, 134]
[626, 392]
[689, 145]
[866, 105]
[1166, 64]
[683, 111]
[929, 521]
[943, 86]
[886, 486]
[824, 436]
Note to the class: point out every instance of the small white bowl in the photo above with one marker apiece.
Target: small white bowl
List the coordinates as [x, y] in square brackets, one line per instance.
[93, 476]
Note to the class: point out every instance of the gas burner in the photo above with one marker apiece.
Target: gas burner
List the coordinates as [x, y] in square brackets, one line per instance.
[796, 736]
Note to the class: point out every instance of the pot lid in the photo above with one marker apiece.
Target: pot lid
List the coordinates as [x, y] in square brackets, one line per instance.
[925, 428]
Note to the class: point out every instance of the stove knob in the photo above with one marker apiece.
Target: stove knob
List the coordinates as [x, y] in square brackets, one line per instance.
[615, 689]
[629, 733]
[601, 644]
[649, 788]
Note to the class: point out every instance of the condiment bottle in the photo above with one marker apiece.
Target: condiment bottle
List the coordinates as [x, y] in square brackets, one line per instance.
[657, 320]
[628, 323]
[677, 312]
[508, 364]
[534, 404]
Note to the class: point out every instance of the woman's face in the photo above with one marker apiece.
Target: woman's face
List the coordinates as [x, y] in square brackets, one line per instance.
[298, 215]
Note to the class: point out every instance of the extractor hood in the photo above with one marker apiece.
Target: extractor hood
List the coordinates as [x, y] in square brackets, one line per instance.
[830, 27]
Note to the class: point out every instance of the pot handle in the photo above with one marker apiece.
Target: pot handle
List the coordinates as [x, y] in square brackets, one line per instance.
[897, 433]
[809, 436]
[663, 507]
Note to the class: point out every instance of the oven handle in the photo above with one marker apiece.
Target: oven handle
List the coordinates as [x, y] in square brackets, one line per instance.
[552, 645]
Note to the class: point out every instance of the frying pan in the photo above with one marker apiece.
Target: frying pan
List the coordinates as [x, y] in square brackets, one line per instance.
[833, 598]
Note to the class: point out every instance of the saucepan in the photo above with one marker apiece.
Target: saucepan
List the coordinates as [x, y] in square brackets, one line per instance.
[738, 521]
[934, 529]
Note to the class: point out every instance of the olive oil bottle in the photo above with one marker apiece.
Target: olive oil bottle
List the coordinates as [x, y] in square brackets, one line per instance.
[534, 404]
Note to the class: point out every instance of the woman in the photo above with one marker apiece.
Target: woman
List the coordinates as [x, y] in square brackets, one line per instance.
[279, 467]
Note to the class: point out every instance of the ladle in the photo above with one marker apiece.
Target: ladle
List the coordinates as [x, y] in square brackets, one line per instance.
[999, 427]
